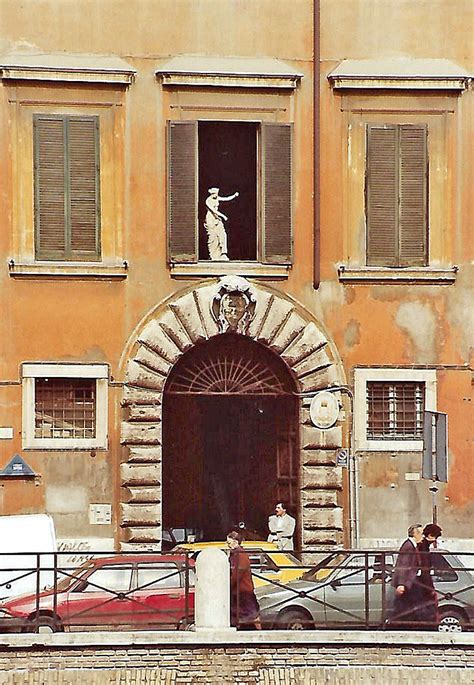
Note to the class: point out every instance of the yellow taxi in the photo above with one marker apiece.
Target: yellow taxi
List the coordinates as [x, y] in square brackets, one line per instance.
[268, 563]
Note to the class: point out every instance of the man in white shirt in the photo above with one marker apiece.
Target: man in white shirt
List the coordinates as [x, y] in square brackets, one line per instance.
[282, 527]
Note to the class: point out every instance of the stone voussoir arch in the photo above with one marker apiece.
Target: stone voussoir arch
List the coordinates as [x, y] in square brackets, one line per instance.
[189, 318]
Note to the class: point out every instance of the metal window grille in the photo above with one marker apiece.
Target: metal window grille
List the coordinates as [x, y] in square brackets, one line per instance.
[65, 408]
[395, 410]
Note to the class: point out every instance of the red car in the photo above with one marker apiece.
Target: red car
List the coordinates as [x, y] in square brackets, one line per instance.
[139, 591]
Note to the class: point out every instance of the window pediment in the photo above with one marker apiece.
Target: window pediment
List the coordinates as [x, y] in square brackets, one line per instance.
[66, 67]
[399, 73]
[228, 72]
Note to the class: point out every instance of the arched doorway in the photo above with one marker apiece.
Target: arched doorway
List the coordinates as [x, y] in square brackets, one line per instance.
[230, 437]
[295, 353]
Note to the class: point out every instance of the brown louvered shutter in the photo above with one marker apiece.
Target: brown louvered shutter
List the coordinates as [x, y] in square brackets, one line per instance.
[83, 153]
[397, 195]
[67, 212]
[413, 221]
[382, 196]
[277, 201]
[49, 188]
[182, 191]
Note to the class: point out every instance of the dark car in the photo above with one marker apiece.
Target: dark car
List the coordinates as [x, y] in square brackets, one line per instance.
[354, 590]
[149, 591]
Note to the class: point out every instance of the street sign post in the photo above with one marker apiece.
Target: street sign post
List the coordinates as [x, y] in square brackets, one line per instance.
[435, 452]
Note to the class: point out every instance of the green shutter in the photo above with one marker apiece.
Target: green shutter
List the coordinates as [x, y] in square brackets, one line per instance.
[277, 193]
[182, 191]
[397, 195]
[67, 196]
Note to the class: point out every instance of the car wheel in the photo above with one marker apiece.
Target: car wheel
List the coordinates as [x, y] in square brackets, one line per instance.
[451, 621]
[296, 619]
[45, 624]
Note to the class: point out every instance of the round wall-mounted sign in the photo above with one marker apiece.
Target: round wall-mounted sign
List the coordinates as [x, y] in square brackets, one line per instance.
[324, 409]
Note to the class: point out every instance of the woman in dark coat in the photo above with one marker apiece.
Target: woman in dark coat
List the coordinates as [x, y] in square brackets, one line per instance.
[426, 611]
[244, 607]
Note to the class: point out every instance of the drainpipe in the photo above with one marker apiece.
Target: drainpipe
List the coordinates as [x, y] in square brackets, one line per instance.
[316, 145]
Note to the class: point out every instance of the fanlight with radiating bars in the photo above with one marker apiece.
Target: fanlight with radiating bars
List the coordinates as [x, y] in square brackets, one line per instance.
[233, 367]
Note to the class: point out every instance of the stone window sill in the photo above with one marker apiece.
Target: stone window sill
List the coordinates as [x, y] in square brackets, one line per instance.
[246, 269]
[62, 270]
[420, 275]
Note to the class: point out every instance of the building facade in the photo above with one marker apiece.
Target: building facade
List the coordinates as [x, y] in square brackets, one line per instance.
[212, 212]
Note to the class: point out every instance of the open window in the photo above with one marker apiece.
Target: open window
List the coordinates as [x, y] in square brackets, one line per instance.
[252, 158]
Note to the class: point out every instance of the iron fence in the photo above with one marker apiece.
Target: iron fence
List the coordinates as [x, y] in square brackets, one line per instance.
[345, 589]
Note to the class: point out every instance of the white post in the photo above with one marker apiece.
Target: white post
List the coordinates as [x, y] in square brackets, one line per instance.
[212, 592]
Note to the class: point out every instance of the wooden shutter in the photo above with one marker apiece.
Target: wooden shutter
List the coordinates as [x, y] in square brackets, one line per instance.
[276, 204]
[83, 160]
[413, 220]
[49, 188]
[182, 191]
[397, 195]
[382, 196]
[66, 187]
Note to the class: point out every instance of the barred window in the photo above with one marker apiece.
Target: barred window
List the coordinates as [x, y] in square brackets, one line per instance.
[65, 408]
[395, 410]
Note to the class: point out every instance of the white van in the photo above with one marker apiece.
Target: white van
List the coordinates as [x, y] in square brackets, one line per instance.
[22, 538]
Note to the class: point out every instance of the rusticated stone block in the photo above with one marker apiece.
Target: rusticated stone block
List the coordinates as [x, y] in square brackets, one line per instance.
[144, 455]
[204, 298]
[140, 474]
[293, 326]
[314, 438]
[153, 360]
[321, 477]
[186, 310]
[314, 538]
[261, 309]
[318, 498]
[141, 494]
[142, 377]
[148, 534]
[155, 337]
[311, 340]
[174, 330]
[314, 362]
[140, 396]
[279, 310]
[141, 434]
[320, 379]
[318, 457]
[140, 514]
[323, 518]
[144, 412]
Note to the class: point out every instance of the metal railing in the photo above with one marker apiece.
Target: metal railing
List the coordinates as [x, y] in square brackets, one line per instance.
[354, 589]
[345, 589]
[41, 592]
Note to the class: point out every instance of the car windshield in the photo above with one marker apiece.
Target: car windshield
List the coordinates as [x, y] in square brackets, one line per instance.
[70, 576]
[324, 569]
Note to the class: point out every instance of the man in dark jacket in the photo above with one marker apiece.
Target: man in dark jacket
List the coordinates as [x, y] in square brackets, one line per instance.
[404, 578]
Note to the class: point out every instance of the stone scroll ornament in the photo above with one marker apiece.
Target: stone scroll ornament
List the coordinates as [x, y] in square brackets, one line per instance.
[214, 225]
[233, 305]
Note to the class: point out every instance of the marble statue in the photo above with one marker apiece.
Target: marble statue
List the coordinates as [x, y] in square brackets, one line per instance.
[216, 234]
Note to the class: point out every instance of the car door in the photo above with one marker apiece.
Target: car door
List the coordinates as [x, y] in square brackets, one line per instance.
[264, 570]
[102, 598]
[159, 597]
[355, 594]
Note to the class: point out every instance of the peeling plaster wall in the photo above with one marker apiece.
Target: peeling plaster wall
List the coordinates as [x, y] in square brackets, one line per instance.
[419, 322]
